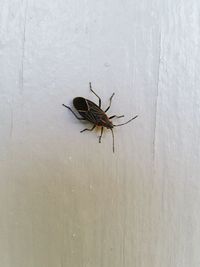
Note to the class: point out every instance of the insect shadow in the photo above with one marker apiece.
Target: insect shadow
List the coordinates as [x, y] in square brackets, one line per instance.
[93, 113]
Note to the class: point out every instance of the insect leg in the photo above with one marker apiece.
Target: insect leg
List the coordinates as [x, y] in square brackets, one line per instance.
[113, 145]
[110, 102]
[101, 135]
[88, 129]
[125, 122]
[115, 116]
[95, 94]
[73, 112]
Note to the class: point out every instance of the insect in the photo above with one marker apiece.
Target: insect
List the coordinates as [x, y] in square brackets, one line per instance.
[93, 113]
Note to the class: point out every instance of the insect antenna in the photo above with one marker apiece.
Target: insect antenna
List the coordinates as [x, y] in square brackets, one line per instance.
[113, 140]
[125, 122]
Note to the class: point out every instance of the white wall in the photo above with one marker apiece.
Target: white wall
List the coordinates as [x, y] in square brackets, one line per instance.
[66, 200]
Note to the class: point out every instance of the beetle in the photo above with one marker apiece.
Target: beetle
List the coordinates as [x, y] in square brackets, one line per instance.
[93, 113]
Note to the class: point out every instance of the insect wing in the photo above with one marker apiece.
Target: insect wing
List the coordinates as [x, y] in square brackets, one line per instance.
[93, 114]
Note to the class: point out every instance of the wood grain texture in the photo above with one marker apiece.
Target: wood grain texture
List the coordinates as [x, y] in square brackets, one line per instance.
[66, 200]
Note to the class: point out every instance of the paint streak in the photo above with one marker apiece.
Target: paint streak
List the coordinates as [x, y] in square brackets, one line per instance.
[156, 101]
[23, 49]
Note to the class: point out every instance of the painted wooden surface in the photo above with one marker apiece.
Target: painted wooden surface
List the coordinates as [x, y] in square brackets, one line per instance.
[66, 200]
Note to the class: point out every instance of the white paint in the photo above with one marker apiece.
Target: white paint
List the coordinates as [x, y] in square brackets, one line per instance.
[66, 200]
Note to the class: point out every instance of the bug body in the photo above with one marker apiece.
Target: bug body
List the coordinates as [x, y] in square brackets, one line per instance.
[93, 113]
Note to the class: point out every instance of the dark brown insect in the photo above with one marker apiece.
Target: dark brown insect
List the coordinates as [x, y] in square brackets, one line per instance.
[89, 111]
